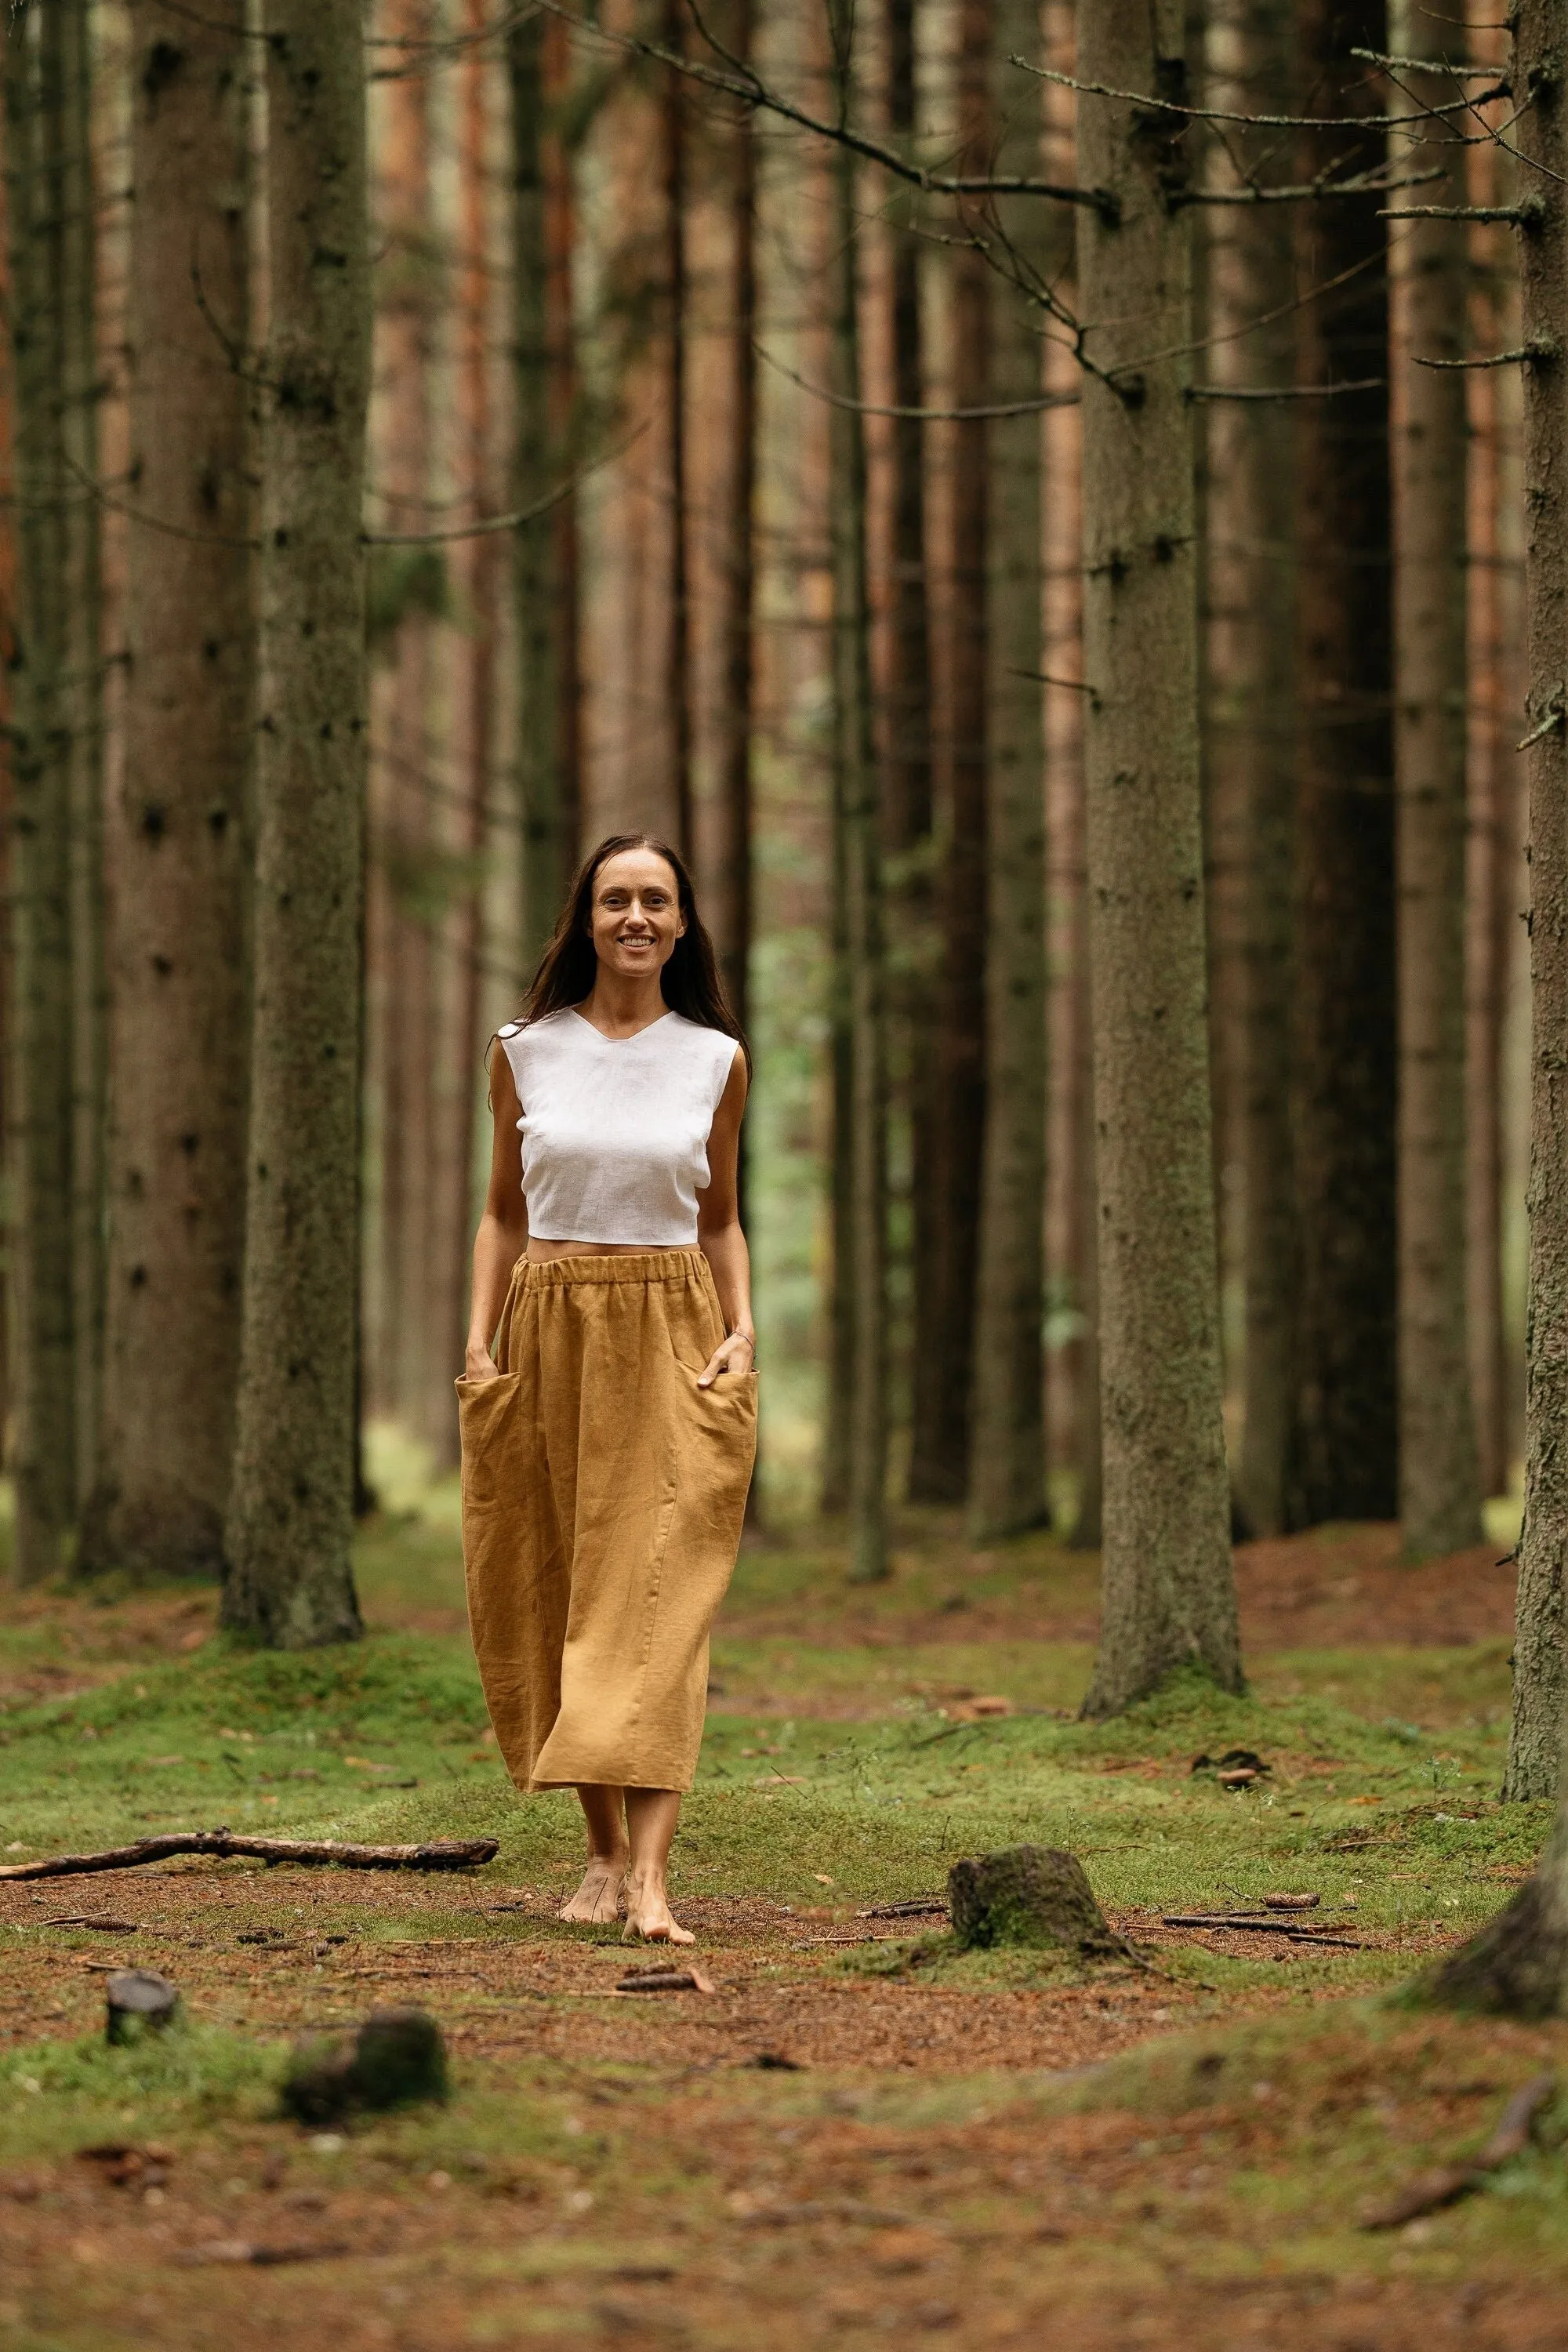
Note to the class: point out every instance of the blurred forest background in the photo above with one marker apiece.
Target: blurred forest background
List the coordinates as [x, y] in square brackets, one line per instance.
[728, 477]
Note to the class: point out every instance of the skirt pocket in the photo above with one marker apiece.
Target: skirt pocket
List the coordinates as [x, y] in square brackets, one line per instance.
[486, 1427]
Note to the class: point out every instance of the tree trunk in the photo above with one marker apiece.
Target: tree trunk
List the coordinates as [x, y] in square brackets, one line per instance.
[1073, 1377]
[482, 561]
[939, 1469]
[544, 585]
[734, 861]
[1345, 1074]
[78, 298]
[861, 1147]
[180, 1000]
[38, 133]
[1007, 1461]
[1439, 1478]
[1168, 1596]
[1251, 715]
[1535, 1747]
[291, 1518]
[673, 130]
[908, 724]
[1494, 871]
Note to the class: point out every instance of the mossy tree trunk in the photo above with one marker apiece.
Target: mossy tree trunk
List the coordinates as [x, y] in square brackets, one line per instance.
[1439, 1470]
[180, 1000]
[290, 1582]
[1535, 1747]
[1169, 1598]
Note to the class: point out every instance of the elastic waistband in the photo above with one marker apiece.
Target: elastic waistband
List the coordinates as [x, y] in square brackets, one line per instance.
[632, 1265]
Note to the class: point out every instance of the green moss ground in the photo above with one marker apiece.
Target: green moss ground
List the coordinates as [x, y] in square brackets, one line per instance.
[837, 1769]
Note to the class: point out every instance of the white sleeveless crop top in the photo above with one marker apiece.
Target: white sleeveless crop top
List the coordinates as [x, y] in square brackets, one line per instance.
[614, 1129]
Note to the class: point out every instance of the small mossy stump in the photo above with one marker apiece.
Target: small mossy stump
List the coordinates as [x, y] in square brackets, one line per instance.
[396, 2057]
[140, 2002]
[1032, 1895]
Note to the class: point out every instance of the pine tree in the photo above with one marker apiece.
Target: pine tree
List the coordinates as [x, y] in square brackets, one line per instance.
[860, 1142]
[1539, 1683]
[180, 1002]
[40, 130]
[1344, 1069]
[1439, 1476]
[1169, 1595]
[290, 1582]
[1008, 1465]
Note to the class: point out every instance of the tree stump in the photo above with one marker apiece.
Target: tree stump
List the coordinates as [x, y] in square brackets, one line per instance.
[397, 2056]
[1030, 1895]
[140, 2002]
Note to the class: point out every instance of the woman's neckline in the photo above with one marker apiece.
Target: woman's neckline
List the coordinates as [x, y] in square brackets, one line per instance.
[667, 1015]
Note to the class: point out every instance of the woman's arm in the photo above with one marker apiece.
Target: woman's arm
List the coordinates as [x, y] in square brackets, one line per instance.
[719, 1233]
[503, 1229]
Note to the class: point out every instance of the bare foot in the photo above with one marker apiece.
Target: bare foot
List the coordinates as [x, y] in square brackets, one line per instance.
[649, 1917]
[598, 1900]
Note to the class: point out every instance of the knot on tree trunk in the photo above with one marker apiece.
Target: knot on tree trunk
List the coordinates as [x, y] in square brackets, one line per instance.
[1031, 1895]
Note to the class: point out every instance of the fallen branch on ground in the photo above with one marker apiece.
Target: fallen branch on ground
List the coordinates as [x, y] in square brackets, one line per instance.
[444, 1853]
[1449, 2182]
[1273, 1926]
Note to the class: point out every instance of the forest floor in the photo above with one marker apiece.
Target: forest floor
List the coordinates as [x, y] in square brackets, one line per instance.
[858, 2133]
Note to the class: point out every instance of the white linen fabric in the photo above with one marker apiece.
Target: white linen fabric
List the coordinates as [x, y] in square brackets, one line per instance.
[614, 1129]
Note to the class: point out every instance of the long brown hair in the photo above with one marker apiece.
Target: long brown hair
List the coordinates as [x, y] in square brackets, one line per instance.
[690, 979]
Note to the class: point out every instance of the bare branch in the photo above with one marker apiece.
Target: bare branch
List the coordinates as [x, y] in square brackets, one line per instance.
[924, 416]
[1284, 391]
[1425, 65]
[1525, 212]
[514, 521]
[1261, 122]
[1528, 353]
[752, 91]
[1364, 184]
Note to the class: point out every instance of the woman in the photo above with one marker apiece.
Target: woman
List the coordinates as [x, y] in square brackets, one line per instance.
[609, 1408]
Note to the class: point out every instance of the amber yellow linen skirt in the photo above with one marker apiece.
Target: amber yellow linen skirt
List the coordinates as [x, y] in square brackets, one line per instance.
[602, 1496]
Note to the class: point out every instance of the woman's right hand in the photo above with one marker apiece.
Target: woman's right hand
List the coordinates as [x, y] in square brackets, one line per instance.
[478, 1364]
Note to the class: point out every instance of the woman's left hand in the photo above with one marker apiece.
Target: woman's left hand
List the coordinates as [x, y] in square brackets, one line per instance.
[737, 1354]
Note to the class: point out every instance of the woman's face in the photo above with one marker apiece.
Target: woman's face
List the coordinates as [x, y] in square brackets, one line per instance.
[636, 913]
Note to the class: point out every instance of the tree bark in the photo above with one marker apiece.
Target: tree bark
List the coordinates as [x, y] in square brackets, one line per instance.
[180, 999]
[545, 583]
[290, 1582]
[1007, 1459]
[735, 786]
[939, 1467]
[1168, 1596]
[39, 169]
[1535, 1747]
[1439, 1477]
[1072, 1386]
[1494, 869]
[860, 1147]
[672, 133]
[908, 722]
[78, 298]
[1252, 716]
[1345, 1072]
